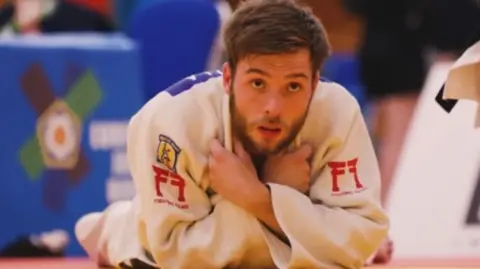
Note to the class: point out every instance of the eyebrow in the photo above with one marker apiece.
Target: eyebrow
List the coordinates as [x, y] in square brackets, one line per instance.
[297, 75]
[257, 71]
[261, 72]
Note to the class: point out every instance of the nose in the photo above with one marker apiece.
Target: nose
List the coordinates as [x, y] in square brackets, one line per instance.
[274, 105]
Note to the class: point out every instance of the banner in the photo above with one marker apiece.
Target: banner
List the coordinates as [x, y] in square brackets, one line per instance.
[65, 102]
[434, 202]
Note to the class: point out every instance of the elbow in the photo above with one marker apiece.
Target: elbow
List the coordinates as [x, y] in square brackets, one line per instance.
[375, 235]
[374, 230]
[364, 239]
[363, 242]
[168, 245]
[380, 224]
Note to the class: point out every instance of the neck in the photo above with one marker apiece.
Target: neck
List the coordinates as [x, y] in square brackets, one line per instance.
[258, 162]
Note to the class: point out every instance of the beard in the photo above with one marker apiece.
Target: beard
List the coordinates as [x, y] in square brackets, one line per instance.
[240, 130]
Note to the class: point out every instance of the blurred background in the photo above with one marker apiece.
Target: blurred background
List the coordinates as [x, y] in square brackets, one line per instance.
[72, 73]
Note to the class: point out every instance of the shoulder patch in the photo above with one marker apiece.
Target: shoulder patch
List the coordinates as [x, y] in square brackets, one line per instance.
[167, 152]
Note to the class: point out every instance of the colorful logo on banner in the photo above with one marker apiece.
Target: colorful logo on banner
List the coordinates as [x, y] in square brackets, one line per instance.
[53, 152]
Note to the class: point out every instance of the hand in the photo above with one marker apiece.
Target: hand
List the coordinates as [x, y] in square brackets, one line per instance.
[384, 253]
[234, 176]
[291, 169]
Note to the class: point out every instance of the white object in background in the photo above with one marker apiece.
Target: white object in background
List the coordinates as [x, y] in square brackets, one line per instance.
[437, 173]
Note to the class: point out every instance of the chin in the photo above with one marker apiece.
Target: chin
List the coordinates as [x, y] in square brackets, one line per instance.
[260, 147]
[267, 150]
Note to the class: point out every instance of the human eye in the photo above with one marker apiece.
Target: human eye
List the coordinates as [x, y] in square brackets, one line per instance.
[258, 84]
[294, 87]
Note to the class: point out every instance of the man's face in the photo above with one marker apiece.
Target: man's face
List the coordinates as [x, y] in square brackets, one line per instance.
[269, 99]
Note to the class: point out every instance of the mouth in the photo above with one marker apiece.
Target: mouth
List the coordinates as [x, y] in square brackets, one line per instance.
[269, 131]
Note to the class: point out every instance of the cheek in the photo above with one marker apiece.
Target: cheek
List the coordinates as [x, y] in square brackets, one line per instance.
[245, 95]
[296, 108]
[246, 102]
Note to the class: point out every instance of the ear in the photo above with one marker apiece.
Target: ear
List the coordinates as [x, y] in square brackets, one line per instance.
[227, 77]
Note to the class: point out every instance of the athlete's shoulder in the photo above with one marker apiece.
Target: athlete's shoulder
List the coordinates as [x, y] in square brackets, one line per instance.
[190, 105]
[205, 81]
[194, 96]
[335, 99]
[332, 110]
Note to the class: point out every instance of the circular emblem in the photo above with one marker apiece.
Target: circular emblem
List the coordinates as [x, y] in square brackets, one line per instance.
[58, 131]
[60, 135]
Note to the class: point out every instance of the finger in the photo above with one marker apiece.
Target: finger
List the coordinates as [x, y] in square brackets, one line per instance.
[304, 152]
[212, 167]
[216, 148]
[211, 160]
[240, 150]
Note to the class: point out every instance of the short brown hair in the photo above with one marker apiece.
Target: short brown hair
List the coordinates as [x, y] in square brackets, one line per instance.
[275, 27]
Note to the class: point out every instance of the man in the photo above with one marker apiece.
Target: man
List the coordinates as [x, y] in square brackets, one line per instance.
[261, 166]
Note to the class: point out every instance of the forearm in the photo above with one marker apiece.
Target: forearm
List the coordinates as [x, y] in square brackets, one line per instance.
[349, 234]
[262, 208]
[178, 244]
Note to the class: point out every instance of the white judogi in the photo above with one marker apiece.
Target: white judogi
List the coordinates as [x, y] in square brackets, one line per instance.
[178, 220]
[463, 81]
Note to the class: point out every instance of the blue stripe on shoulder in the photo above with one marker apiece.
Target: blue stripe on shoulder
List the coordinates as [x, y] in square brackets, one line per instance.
[323, 79]
[188, 82]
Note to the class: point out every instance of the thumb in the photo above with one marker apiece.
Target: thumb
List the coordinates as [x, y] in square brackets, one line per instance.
[304, 152]
[216, 148]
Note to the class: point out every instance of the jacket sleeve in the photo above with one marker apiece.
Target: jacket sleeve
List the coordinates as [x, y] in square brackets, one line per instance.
[342, 222]
[178, 223]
